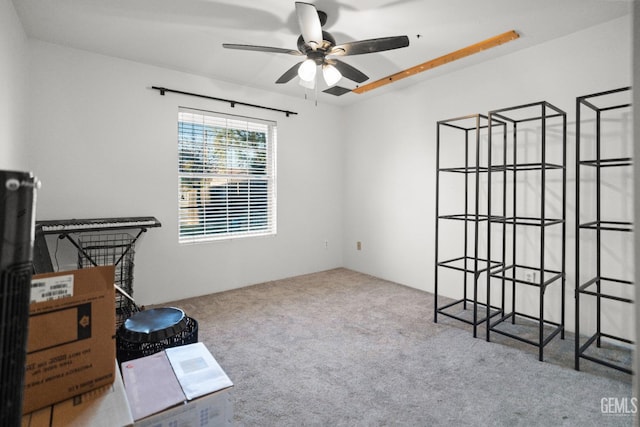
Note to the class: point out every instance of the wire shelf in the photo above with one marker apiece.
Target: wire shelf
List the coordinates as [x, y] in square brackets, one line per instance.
[112, 249]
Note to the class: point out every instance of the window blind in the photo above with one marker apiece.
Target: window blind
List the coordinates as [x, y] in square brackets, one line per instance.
[226, 176]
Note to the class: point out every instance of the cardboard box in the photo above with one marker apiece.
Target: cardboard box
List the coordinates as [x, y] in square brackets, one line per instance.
[106, 406]
[180, 386]
[71, 345]
[214, 410]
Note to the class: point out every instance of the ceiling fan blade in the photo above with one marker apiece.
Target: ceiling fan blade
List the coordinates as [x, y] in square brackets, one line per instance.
[348, 71]
[337, 90]
[289, 74]
[370, 46]
[309, 23]
[261, 48]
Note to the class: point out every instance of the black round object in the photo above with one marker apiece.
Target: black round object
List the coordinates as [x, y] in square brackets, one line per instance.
[153, 325]
[127, 350]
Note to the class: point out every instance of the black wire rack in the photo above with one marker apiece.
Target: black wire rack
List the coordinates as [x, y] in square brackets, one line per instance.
[115, 249]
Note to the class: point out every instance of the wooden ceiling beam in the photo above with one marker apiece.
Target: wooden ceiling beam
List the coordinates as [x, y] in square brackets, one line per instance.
[442, 60]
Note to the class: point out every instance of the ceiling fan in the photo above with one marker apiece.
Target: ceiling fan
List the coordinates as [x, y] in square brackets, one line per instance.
[320, 49]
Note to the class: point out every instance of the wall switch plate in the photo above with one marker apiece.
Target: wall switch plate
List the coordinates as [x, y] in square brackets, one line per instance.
[530, 276]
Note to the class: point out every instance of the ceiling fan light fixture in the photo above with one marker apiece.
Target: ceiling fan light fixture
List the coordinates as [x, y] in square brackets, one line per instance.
[309, 84]
[307, 70]
[331, 74]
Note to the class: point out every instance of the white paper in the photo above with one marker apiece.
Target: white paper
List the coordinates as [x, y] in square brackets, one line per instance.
[150, 385]
[197, 371]
[51, 288]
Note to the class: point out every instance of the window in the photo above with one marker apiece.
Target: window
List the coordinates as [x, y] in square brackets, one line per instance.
[226, 174]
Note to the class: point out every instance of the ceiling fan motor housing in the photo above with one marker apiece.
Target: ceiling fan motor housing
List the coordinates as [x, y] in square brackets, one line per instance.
[327, 43]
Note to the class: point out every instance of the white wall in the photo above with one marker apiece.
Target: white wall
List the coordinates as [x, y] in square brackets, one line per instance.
[389, 202]
[104, 145]
[13, 69]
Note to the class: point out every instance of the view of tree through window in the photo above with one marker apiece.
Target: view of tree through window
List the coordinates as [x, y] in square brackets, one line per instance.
[226, 168]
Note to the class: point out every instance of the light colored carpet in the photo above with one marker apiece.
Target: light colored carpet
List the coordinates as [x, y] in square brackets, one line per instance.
[340, 348]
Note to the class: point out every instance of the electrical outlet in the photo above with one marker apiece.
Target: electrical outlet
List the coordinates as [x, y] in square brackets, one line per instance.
[326, 244]
[530, 276]
[359, 246]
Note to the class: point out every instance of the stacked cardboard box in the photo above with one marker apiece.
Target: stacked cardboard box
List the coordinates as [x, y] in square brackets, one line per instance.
[106, 406]
[71, 378]
[71, 345]
[180, 386]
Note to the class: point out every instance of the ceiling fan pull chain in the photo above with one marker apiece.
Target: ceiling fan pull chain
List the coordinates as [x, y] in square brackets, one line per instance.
[316, 89]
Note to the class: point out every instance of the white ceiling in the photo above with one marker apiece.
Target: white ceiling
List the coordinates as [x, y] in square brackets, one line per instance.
[187, 35]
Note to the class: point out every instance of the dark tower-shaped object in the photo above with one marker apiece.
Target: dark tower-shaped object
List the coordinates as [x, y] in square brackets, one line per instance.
[17, 220]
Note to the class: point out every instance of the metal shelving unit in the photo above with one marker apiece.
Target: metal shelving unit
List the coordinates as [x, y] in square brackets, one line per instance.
[527, 212]
[462, 138]
[596, 160]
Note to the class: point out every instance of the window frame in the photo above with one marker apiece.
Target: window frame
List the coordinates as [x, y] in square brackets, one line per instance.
[252, 179]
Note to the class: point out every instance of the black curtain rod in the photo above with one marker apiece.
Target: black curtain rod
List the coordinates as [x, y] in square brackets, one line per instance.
[163, 90]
